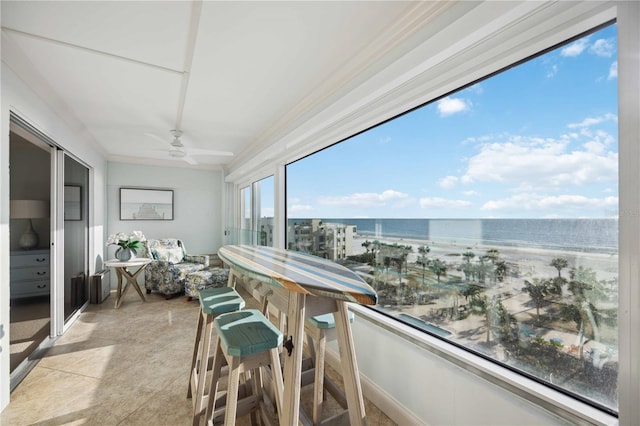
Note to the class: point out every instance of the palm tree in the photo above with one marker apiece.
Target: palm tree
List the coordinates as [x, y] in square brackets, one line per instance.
[423, 250]
[471, 292]
[455, 294]
[468, 256]
[492, 254]
[582, 313]
[559, 263]
[508, 325]
[501, 269]
[538, 290]
[366, 245]
[585, 286]
[386, 262]
[438, 267]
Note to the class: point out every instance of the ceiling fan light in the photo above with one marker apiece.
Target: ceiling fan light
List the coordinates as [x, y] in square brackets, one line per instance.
[177, 152]
[177, 143]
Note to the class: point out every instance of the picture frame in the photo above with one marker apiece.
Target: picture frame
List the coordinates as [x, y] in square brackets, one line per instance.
[72, 202]
[146, 204]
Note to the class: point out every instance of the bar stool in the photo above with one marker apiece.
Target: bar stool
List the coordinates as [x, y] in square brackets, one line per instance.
[319, 330]
[213, 302]
[248, 341]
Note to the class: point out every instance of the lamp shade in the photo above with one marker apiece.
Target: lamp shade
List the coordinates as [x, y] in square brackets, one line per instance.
[29, 209]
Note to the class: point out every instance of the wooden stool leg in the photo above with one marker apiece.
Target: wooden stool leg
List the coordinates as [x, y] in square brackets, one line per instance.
[232, 392]
[278, 382]
[318, 385]
[196, 348]
[201, 372]
[215, 377]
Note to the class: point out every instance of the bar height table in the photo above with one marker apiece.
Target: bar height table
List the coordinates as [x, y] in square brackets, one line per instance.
[313, 286]
[122, 270]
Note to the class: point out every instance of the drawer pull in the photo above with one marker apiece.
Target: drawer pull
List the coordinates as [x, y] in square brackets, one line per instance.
[41, 273]
[41, 259]
[41, 286]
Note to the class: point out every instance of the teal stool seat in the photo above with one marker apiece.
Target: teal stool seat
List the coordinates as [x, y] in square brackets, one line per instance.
[248, 341]
[220, 300]
[326, 321]
[213, 302]
[246, 333]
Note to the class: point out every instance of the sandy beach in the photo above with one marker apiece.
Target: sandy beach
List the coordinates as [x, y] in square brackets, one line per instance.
[524, 264]
[532, 262]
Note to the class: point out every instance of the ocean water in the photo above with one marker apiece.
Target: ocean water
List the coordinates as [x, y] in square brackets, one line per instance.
[582, 235]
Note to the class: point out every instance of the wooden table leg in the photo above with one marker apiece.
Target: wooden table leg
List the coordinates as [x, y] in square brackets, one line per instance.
[351, 375]
[134, 282]
[131, 281]
[293, 363]
[119, 292]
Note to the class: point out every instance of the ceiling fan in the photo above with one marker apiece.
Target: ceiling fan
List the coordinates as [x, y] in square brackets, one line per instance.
[178, 150]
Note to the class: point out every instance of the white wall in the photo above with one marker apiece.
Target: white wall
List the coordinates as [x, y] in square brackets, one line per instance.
[197, 209]
[72, 137]
[438, 391]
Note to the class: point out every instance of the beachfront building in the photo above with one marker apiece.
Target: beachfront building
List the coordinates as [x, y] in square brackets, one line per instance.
[325, 239]
[480, 117]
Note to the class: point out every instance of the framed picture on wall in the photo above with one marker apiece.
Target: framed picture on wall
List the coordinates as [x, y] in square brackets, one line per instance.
[146, 204]
[72, 202]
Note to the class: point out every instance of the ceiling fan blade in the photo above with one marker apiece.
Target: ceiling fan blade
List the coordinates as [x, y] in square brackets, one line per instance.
[196, 151]
[157, 138]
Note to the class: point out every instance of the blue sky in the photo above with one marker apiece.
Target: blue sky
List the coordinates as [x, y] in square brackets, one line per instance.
[536, 141]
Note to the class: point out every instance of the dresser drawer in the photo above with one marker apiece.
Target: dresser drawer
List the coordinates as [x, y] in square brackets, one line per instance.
[29, 288]
[35, 259]
[36, 273]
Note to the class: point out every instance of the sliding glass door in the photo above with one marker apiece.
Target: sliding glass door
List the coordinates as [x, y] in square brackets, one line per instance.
[76, 235]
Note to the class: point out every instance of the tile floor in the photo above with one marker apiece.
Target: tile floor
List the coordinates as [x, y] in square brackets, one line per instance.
[120, 367]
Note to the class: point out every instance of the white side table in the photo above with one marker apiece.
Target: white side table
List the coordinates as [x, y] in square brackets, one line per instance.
[122, 270]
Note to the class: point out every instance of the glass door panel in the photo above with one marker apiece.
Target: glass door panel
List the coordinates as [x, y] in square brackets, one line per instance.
[76, 225]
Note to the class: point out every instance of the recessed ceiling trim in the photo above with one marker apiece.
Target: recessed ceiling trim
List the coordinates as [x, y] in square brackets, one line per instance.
[93, 51]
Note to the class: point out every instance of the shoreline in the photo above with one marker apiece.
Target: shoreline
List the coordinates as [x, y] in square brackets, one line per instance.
[529, 260]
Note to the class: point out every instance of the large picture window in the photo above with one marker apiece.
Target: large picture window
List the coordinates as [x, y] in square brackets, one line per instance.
[488, 218]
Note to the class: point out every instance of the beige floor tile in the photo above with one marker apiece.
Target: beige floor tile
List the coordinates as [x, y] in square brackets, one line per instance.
[127, 366]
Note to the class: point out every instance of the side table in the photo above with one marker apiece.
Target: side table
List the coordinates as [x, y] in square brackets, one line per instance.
[131, 278]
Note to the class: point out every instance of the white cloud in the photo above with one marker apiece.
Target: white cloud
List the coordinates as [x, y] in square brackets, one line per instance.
[449, 106]
[613, 71]
[470, 193]
[531, 163]
[297, 208]
[443, 203]
[448, 182]
[365, 199]
[553, 70]
[540, 204]
[603, 47]
[592, 121]
[575, 48]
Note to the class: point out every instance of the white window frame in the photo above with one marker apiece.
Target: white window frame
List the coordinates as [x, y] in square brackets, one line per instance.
[627, 15]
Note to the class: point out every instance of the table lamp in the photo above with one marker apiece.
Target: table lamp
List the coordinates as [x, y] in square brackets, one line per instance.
[29, 209]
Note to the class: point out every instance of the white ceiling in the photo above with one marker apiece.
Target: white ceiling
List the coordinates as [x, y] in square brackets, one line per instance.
[228, 74]
[243, 76]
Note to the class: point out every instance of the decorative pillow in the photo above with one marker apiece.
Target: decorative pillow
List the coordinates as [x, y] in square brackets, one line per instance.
[171, 255]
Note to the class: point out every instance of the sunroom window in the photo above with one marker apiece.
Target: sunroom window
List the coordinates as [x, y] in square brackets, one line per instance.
[489, 217]
[257, 208]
